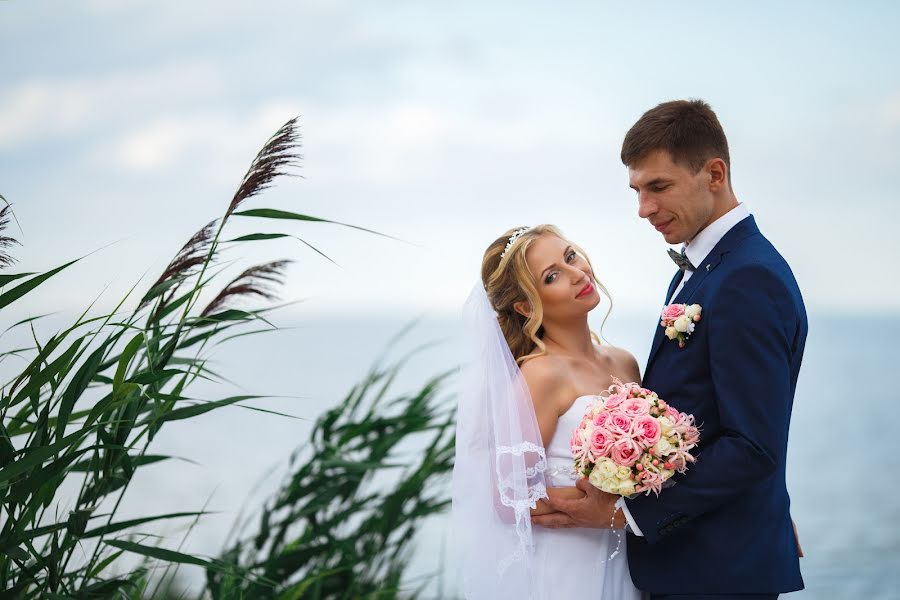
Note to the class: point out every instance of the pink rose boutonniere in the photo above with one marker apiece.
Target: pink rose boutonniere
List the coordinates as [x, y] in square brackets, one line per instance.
[679, 321]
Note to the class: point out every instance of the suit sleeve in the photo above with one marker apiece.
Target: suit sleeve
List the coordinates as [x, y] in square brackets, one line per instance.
[750, 364]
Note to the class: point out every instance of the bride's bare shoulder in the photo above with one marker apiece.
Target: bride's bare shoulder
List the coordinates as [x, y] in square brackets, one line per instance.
[625, 360]
[544, 374]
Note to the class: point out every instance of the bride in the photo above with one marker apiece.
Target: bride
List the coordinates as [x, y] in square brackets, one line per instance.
[532, 367]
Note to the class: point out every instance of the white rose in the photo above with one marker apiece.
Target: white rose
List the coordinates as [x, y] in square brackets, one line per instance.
[671, 333]
[603, 482]
[596, 478]
[625, 488]
[667, 424]
[623, 473]
[682, 323]
[663, 447]
[607, 468]
[691, 311]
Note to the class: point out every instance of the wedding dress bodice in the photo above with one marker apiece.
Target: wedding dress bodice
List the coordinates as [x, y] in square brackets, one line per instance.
[560, 465]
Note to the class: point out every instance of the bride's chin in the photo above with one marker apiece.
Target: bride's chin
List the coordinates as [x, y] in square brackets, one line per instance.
[594, 304]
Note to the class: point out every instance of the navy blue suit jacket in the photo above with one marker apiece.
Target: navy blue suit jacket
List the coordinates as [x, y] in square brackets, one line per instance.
[725, 526]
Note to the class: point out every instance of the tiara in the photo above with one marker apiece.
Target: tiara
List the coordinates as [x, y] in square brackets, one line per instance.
[512, 239]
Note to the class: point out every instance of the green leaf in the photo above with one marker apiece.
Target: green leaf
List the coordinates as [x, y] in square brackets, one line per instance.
[127, 354]
[7, 450]
[35, 480]
[198, 409]
[145, 377]
[258, 236]
[170, 556]
[114, 527]
[137, 461]
[76, 388]
[272, 236]
[38, 455]
[23, 288]
[77, 522]
[273, 213]
[232, 314]
[4, 279]
[17, 553]
[161, 288]
[37, 380]
[104, 563]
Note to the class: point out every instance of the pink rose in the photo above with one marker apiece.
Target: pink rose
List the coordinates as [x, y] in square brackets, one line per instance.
[615, 400]
[619, 424]
[601, 441]
[635, 407]
[625, 452]
[601, 418]
[673, 414]
[646, 430]
[672, 312]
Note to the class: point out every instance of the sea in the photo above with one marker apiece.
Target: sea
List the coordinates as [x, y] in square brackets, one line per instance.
[844, 487]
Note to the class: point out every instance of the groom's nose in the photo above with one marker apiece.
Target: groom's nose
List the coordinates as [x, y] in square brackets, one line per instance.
[646, 206]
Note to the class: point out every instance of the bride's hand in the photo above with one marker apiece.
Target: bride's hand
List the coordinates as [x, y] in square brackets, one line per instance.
[594, 509]
[570, 492]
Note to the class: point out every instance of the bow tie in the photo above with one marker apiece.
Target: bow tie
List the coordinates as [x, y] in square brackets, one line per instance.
[681, 260]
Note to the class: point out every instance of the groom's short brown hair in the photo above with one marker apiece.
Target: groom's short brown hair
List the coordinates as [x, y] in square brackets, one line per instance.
[687, 129]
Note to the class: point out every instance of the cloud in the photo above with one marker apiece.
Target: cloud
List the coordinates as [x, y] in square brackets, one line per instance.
[41, 110]
[221, 138]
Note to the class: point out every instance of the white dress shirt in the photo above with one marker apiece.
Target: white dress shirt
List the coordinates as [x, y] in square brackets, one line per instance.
[697, 250]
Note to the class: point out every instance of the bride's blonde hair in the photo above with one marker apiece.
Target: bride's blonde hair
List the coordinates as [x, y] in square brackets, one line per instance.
[507, 280]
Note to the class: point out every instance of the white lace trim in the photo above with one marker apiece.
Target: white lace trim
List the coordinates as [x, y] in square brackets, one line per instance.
[520, 449]
[532, 492]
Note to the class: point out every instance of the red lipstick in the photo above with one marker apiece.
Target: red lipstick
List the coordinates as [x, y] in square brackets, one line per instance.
[587, 289]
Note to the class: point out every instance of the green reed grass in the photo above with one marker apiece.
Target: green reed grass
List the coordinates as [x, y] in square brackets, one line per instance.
[85, 408]
[343, 521]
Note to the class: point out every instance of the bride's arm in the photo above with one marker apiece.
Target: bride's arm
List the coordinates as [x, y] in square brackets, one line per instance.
[549, 390]
[568, 492]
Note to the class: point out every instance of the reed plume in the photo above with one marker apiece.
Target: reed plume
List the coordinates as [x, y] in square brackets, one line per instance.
[192, 254]
[255, 281]
[273, 160]
[5, 241]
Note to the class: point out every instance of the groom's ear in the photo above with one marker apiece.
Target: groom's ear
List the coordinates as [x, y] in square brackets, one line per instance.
[718, 174]
[523, 308]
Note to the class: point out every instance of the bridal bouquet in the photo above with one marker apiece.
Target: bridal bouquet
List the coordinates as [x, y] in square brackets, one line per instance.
[631, 441]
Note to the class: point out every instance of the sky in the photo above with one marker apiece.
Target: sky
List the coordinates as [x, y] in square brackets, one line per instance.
[126, 126]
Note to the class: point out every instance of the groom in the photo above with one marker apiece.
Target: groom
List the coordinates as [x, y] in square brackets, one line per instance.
[724, 529]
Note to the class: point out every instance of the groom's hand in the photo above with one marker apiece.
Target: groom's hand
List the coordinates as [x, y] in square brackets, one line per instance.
[797, 539]
[595, 509]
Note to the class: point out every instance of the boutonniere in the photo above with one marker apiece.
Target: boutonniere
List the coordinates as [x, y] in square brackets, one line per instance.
[679, 321]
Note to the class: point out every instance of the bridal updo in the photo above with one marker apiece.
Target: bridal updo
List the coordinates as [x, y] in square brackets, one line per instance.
[507, 281]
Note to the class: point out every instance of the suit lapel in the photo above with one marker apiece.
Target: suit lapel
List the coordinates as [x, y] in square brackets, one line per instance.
[660, 332]
[741, 230]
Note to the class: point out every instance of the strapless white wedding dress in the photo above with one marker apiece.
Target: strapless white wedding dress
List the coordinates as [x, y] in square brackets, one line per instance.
[573, 563]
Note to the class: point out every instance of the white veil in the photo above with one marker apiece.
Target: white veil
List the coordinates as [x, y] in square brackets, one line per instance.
[500, 462]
